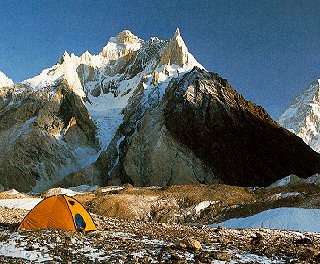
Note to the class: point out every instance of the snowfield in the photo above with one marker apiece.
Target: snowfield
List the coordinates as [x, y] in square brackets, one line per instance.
[25, 203]
[284, 218]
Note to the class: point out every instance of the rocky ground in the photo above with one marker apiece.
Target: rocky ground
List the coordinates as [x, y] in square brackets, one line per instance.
[132, 241]
[166, 225]
[120, 241]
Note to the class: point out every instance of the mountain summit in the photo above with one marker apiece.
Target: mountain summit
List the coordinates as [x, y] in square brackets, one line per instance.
[176, 52]
[121, 45]
[139, 112]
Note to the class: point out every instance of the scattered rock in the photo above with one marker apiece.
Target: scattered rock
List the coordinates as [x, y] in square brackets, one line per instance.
[181, 245]
[191, 244]
[257, 240]
[223, 256]
[303, 241]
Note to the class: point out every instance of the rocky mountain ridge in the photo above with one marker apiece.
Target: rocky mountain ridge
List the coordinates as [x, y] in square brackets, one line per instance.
[139, 112]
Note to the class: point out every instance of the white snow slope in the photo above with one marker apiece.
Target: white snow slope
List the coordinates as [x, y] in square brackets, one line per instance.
[284, 218]
[303, 116]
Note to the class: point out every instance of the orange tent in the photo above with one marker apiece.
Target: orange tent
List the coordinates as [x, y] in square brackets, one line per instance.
[62, 212]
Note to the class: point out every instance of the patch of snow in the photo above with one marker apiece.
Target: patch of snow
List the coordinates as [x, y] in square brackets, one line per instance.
[283, 218]
[290, 194]
[122, 234]
[153, 241]
[111, 189]
[203, 205]
[106, 109]
[295, 180]
[253, 258]
[116, 48]
[93, 253]
[11, 250]
[285, 195]
[119, 142]
[66, 70]
[155, 89]
[24, 203]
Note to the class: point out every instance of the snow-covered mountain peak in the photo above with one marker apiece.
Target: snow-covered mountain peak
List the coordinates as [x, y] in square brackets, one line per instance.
[121, 45]
[126, 36]
[65, 56]
[303, 116]
[67, 69]
[5, 81]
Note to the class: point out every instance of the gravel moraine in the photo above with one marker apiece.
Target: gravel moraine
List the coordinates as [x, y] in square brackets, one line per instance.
[130, 241]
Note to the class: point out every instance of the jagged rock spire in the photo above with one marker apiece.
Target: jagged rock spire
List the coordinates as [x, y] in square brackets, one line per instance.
[176, 52]
[177, 33]
[64, 56]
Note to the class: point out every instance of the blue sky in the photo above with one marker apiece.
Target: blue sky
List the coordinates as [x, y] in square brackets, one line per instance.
[268, 50]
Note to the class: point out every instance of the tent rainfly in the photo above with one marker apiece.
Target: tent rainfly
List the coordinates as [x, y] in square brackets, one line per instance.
[59, 211]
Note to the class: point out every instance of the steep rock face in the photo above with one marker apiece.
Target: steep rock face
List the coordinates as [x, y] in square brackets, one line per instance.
[155, 158]
[41, 137]
[303, 116]
[235, 138]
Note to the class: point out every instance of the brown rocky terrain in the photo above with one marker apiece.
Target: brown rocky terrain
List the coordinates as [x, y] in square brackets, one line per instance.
[162, 225]
[196, 203]
[136, 241]
[119, 241]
